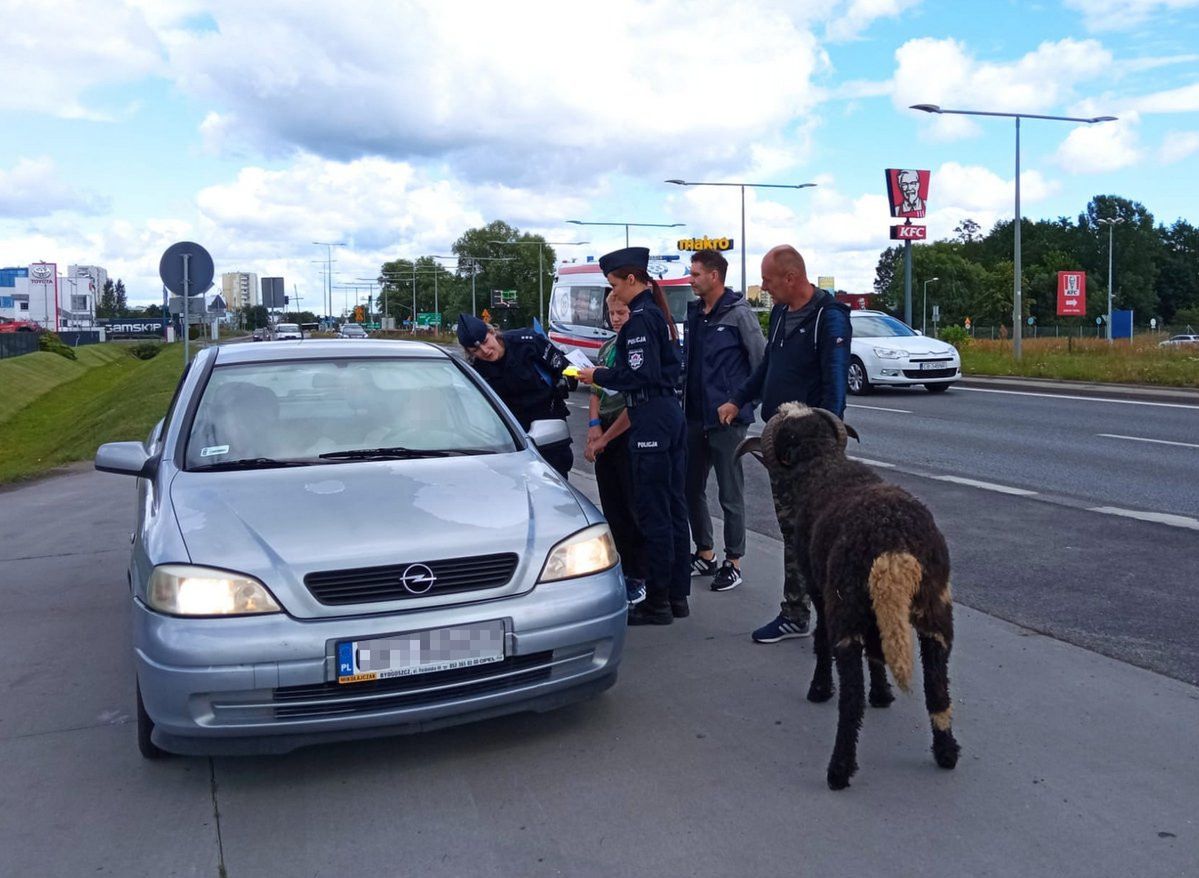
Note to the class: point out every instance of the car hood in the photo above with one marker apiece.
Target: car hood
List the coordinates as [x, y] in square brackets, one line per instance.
[280, 524]
[916, 344]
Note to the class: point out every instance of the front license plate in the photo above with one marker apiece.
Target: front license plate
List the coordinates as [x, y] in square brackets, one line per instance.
[939, 364]
[420, 652]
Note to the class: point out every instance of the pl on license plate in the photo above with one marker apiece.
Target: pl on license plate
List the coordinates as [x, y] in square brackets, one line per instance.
[420, 652]
[939, 364]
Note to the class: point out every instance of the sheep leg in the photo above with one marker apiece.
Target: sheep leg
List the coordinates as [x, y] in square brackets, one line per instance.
[934, 657]
[880, 689]
[821, 688]
[852, 704]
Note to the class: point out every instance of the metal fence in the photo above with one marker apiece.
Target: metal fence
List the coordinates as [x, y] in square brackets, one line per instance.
[75, 337]
[16, 344]
[1005, 332]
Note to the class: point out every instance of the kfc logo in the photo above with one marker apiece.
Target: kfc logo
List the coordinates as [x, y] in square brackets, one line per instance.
[907, 192]
[1071, 293]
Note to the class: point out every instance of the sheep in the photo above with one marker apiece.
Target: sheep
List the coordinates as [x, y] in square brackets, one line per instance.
[874, 563]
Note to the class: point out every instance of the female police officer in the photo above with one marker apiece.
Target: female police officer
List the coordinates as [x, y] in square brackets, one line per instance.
[646, 370]
[525, 370]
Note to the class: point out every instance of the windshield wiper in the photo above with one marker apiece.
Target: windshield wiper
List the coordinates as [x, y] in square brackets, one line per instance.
[397, 452]
[250, 463]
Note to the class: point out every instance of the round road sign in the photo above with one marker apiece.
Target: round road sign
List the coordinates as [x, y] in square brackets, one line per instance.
[199, 268]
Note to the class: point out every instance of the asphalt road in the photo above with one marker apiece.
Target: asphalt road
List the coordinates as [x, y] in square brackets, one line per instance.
[1042, 558]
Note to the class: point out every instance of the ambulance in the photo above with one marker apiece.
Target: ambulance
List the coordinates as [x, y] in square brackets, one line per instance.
[578, 315]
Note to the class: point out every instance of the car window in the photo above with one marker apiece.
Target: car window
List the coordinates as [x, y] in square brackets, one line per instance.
[289, 410]
[678, 297]
[880, 326]
[582, 306]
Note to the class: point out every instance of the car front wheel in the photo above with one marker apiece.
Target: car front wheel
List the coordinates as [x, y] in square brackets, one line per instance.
[859, 384]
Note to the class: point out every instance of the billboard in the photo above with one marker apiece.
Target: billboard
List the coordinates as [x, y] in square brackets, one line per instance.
[273, 297]
[907, 192]
[826, 282]
[1071, 294]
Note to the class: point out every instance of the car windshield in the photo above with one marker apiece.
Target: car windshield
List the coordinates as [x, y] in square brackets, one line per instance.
[678, 297]
[880, 326]
[259, 415]
[287, 327]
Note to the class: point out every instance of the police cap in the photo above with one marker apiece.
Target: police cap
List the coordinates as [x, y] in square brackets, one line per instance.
[471, 330]
[635, 257]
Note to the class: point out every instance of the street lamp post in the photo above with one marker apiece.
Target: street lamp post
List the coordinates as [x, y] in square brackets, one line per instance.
[626, 226]
[924, 310]
[541, 265]
[329, 245]
[742, 186]
[1111, 227]
[1017, 308]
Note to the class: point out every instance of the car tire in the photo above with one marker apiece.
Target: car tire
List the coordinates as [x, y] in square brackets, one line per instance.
[937, 388]
[145, 731]
[859, 384]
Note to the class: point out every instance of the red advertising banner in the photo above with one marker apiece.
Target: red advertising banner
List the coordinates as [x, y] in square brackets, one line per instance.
[1071, 294]
[907, 192]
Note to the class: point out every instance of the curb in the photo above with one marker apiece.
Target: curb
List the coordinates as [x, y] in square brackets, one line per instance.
[1185, 395]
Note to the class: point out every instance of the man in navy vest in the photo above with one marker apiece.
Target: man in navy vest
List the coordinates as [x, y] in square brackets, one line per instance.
[807, 360]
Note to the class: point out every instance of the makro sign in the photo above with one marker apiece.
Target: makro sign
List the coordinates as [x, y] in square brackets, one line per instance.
[705, 243]
[1071, 294]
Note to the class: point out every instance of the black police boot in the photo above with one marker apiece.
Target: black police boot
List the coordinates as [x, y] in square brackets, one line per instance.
[679, 608]
[649, 612]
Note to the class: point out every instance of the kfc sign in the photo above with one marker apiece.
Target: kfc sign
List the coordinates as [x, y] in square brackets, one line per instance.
[907, 192]
[909, 233]
[1071, 293]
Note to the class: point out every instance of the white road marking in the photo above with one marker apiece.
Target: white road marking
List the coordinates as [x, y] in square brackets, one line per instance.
[578, 405]
[1157, 517]
[1143, 439]
[987, 486]
[870, 462]
[1168, 405]
[877, 408]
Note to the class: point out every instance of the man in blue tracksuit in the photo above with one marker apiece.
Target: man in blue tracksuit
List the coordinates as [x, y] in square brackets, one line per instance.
[646, 371]
[807, 360]
[723, 344]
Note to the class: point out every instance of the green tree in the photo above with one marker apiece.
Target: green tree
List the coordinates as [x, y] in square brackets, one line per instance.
[1178, 280]
[107, 306]
[255, 316]
[519, 261]
[1137, 251]
[122, 303]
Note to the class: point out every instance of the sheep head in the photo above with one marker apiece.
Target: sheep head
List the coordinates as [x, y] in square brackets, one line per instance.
[797, 434]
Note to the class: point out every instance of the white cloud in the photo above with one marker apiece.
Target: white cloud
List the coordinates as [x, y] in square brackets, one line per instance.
[1108, 146]
[976, 189]
[1178, 100]
[1178, 145]
[849, 23]
[942, 72]
[1110, 15]
[56, 53]
[34, 188]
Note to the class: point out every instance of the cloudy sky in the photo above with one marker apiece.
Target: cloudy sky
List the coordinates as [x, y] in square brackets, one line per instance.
[258, 128]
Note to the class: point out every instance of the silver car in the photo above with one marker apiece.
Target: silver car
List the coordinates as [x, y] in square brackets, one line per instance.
[339, 542]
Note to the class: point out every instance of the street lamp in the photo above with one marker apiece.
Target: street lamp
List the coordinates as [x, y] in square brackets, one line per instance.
[924, 312]
[1111, 226]
[742, 188]
[541, 266]
[1017, 310]
[329, 245]
[626, 226]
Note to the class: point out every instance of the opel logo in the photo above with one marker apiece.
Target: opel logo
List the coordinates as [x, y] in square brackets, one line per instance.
[417, 579]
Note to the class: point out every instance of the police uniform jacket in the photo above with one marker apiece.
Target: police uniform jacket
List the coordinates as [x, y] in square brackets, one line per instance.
[527, 376]
[647, 360]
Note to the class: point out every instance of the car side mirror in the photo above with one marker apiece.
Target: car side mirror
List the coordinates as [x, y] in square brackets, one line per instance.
[125, 458]
[549, 432]
[918, 332]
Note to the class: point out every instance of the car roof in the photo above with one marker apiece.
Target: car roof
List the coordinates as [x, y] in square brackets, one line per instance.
[866, 312]
[325, 349]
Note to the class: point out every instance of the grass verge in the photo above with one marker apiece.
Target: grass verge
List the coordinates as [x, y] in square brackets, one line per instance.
[118, 399]
[26, 378]
[1086, 360]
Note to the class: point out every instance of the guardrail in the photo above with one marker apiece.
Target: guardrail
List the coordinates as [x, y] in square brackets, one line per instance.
[17, 344]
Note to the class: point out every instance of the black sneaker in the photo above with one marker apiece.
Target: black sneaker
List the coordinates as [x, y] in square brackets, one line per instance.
[702, 566]
[679, 608]
[644, 614]
[727, 578]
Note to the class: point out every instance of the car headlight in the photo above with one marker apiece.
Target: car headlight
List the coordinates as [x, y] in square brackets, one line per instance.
[184, 590]
[888, 353]
[589, 551]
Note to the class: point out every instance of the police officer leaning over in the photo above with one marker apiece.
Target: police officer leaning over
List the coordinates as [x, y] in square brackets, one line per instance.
[525, 369]
[646, 370]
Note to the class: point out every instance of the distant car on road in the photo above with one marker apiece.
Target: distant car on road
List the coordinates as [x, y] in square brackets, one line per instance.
[351, 330]
[335, 542]
[285, 331]
[260, 334]
[887, 352]
[1178, 340]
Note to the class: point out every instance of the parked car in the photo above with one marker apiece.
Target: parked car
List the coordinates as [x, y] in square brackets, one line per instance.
[286, 331]
[351, 330]
[260, 334]
[887, 352]
[1179, 340]
[337, 543]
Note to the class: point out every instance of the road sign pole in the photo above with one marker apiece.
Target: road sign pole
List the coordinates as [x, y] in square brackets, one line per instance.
[186, 293]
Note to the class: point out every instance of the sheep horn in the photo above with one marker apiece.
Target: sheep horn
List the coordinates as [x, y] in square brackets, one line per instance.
[854, 433]
[837, 424]
[750, 445]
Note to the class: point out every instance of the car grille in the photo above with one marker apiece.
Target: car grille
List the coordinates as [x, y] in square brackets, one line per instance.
[420, 690]
[930, 373]
[366, 585]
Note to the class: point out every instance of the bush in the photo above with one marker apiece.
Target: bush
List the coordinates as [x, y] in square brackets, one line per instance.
[956, 336]
[145, 350]
[49, 341]
[764, 320]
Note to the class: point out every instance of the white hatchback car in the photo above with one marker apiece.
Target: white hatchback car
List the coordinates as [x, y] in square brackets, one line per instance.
[888, 352]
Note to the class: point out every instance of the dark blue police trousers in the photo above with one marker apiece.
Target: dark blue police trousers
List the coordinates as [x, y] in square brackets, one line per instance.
[658, 448]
